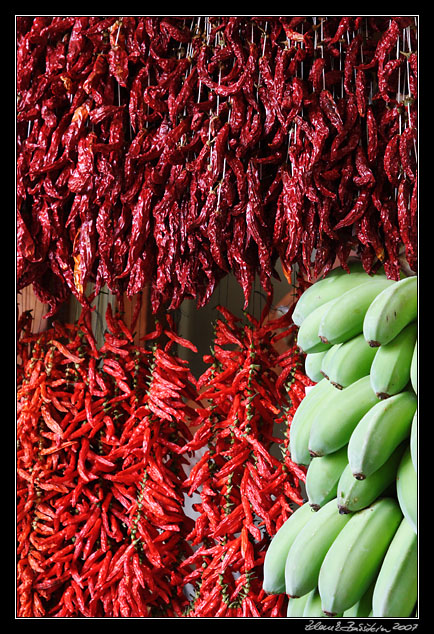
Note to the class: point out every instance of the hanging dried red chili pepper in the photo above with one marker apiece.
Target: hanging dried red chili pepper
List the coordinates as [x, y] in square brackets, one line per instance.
[192, 107]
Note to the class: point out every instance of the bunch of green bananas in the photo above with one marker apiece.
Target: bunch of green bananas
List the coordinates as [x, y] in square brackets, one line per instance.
[351, 549]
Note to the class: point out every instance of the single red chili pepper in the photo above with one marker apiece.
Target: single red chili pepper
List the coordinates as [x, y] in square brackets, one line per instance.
[316, 73]
[372, 148]
[413, 206]
[356, 212]
[351, 56]
[343, 26]
[384, 78]
[406, 141]
[365, 176]
[404, 211]
[361, 96]
[330, 109]
[392, 160]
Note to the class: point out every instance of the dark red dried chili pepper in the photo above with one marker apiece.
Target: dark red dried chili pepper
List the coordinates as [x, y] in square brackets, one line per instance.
[406, 152]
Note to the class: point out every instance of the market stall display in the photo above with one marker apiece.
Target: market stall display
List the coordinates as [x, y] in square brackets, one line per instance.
[159, 157]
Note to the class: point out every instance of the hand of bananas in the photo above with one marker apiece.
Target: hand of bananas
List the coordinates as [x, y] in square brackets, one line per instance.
[351, 549]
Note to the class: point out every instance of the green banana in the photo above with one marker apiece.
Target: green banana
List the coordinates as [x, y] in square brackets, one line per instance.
[406, 489]
[307, 336]
[328, 358]
[313, 607]
[413, 441]
[390, 370]
[352, 361]
[354, 495]
[343, 318]
[275, 557]
[395, 591]
[296, 606]
[332, 285]
[391, 311]
[363, 607]
[413, 369]
[341, 410]
[312, 366]
[309, 548]
[354, 559]
[323, 476]
[302, 420]
[379, 432]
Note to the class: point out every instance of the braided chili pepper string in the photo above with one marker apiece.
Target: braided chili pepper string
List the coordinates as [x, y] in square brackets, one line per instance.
[245, 492]
[101, 525]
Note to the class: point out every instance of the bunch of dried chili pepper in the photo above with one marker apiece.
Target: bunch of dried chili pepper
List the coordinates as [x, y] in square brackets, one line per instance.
[245, 490]
[101, 527]
[173, 150]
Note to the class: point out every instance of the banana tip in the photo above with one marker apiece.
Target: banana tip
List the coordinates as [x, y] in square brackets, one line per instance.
[337, 385]
[374, 344]
[324, 339]
[315, 507]
[382, 395]
[359, 476]
[314, 454]
[343, 510]
[329, 613]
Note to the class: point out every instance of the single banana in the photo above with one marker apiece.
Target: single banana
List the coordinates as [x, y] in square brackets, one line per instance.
[413, 369]
[413, 441]
[327, 359]
[313, 607]
[391, 311]
[354, 558]
[296, 607]
[310, 547]
[341, 410]
[302, 420]
[336, 282]
[395, 591]
[307, 337]
[312, 366]
[406, 489]
[379, 432]
[323, 476]
[275, 557]
[352, 361]
[343, 318]
[363, 607]
[354, 495]
[390, 370]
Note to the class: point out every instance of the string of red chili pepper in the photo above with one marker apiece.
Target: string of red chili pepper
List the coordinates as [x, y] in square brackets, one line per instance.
[246, 493]
[100, 521]
[172, 150]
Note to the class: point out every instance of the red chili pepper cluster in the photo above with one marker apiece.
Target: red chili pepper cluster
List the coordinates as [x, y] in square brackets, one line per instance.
[173, 150]
[104, 439]
[101, 527]
[246, 492]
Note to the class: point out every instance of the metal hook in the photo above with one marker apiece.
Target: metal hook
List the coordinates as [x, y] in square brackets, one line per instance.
[119, 30]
